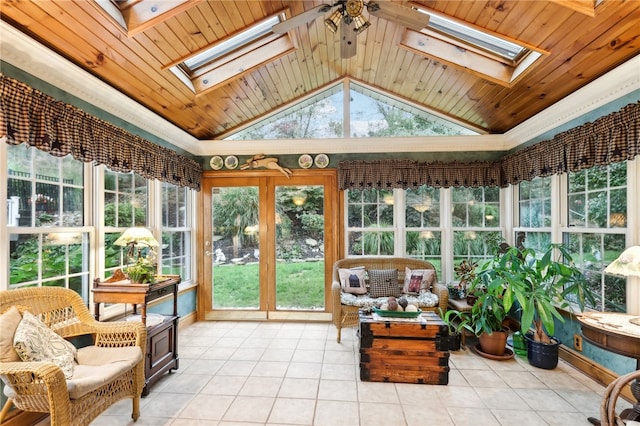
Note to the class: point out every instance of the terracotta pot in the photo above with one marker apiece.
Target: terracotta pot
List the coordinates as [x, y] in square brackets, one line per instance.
[493, 343]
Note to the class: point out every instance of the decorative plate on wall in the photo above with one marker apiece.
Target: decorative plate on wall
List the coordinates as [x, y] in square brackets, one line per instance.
[305, 161]
[216, 162]
[231, 162]
[322, 161]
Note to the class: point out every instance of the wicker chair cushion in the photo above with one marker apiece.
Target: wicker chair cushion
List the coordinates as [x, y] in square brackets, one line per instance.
[417, 280]
[8, 324]
[34, 341]
[383, 283]
[96, 366]
[352, 280]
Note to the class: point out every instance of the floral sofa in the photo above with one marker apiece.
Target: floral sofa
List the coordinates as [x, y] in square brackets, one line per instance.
[356, 285]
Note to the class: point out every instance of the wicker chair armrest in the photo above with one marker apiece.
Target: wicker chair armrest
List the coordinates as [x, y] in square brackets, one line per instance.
[119, 334]
[336, 289]
[443, 295]
[43, 380]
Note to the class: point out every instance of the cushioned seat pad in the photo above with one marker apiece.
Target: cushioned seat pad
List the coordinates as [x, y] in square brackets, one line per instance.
[96, 366]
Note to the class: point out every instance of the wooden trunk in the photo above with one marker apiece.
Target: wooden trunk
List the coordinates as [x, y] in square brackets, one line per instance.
[404, 352]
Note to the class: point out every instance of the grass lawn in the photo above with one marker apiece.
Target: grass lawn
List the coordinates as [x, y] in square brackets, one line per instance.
[300, 285]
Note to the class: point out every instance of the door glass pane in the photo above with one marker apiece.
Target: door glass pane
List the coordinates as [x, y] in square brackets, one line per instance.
[235, 254]
[299, 247]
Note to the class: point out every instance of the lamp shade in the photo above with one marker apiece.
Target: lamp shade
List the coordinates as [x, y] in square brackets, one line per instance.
[627, 264]
[137, 237]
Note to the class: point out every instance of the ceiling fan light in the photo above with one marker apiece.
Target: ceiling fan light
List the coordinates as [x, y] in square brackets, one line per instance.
[354, 8]
[361, 24]
[333, 21]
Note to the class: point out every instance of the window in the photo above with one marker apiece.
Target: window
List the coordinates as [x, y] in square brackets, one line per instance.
[597, 209]
[493, 45]
[234, 56]
[476, 223]
[177, 231]
[371, 114]
[411, 223]
[423, 237]
[125, 205]
[471, 49]
[48, 242]
[370, 223]
[534, 212]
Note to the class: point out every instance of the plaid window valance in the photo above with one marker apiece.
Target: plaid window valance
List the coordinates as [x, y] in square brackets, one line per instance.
[609, 139]
[31, 117]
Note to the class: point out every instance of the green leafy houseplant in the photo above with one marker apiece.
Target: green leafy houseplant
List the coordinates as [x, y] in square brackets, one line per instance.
[490, 310]
[141, 272]
[540, 285]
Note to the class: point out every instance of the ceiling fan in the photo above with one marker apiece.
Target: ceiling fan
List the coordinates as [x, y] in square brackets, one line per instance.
[349, 18]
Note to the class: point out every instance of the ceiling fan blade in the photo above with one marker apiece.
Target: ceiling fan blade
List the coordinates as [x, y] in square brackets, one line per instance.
[403, 15]
[348, 40]
[302, 18]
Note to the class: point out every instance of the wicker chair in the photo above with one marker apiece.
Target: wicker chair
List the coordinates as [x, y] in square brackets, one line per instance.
[608, 415]
[347, 316]
[42, 387]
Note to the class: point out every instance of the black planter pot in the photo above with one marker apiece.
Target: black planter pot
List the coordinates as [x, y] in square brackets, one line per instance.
[542, 355]
[454, 341]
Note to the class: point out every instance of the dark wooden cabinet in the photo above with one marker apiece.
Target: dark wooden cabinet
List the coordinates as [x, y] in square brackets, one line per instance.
[162, 338]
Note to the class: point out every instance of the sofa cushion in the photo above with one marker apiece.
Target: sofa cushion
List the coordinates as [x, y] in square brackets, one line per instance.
[34, 341]
[418, 280]
[352, 280]
[426, 299]
[383, 283]
[9, 322]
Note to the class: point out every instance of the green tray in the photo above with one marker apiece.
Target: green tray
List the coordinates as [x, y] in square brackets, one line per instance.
[397, 314]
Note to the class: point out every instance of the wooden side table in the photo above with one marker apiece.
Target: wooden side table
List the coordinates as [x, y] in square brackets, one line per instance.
[162, 338]
[613, 332]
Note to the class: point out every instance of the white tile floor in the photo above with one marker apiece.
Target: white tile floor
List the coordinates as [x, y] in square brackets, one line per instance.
[264, 373]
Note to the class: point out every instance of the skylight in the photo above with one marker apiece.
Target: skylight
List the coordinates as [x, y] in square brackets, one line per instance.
[234, 56]
[489, 42]
[482, 52]
[227, 46]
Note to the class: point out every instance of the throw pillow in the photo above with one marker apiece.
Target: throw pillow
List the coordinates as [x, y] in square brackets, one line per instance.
[383, 283]
[418, 280]
[9, 322]
[34, 341]
[352, 280]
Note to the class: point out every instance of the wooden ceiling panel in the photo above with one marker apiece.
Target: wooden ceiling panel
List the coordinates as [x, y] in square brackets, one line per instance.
[582, 47]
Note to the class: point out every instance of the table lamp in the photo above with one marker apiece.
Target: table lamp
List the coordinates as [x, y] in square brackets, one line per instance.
[628, 265]
[137, 237]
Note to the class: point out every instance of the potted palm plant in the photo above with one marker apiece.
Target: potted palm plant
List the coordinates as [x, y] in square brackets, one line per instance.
[541, 285]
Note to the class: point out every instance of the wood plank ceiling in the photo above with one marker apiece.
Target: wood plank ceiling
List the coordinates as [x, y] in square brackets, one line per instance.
[583, 41]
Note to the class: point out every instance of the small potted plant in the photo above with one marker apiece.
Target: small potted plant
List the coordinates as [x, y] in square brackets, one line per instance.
[141, 272]
[456, 323]
[466, 272]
